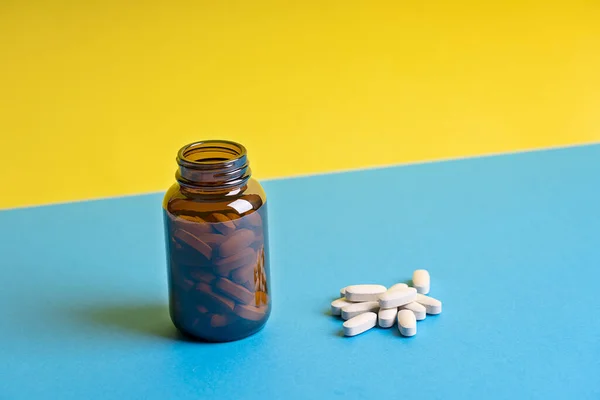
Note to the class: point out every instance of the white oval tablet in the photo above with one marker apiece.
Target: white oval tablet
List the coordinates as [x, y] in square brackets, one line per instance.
[337, 305]
[433, 306]
[398, 286]
[397, 298]
[407, 323]
[419, 310]
[359, 324]
[421, 281]
[343, 292]
[354, 309]
[364, 292]
[387, 317]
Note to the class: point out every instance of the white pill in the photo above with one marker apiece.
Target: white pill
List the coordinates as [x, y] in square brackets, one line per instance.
[398, 286]
[354, 309]
[359, 324]
[419, 310]
[421, 281]
[337, 305]
[364, 292]
[397, 298]
[407, 323]
[433, 306]
[387, 317]
[343, 291]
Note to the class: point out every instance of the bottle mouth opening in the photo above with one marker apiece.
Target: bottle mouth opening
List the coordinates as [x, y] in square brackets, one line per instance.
[213, 164]
[210, 154]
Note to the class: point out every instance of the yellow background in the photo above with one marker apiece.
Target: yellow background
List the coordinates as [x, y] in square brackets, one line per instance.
[96, 97]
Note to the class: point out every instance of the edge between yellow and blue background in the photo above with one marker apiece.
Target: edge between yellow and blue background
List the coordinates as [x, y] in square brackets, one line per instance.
[96, 98]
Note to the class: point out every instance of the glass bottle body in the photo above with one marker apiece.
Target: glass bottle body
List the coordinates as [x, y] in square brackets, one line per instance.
[217, 254]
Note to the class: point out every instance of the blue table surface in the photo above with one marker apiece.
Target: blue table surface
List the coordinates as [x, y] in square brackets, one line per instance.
[512, 244]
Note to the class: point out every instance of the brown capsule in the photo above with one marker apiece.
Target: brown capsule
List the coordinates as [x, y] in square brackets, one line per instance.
[258, 242]
[233, 217]
[189, 218]
[226, 265]
[175, 244]
[184, 284]
[264, 298]
[250, 312]
[243, 274]
[214, 302]
[223, 224]
[219, 320]
[235, 242]
[213, 239]
[253, 219]
[186, 257]
[202, 309]
[203, 276]
[194, 242]
[194, 225]
[234, 291]
[201, 320]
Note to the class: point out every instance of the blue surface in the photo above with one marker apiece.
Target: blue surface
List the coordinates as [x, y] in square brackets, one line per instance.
[512, 244]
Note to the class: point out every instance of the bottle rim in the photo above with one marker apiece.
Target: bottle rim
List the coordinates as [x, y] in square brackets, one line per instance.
[234, 150]
[216, 164]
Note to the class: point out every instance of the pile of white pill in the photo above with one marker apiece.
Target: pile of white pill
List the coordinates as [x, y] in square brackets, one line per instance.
[364, 306]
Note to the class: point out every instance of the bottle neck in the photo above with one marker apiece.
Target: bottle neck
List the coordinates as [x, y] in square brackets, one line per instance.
[213, 166]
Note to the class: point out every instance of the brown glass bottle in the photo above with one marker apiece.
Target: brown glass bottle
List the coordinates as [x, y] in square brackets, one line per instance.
[217, 244]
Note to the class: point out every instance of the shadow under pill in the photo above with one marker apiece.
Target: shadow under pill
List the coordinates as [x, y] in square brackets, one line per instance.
[396, 331]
